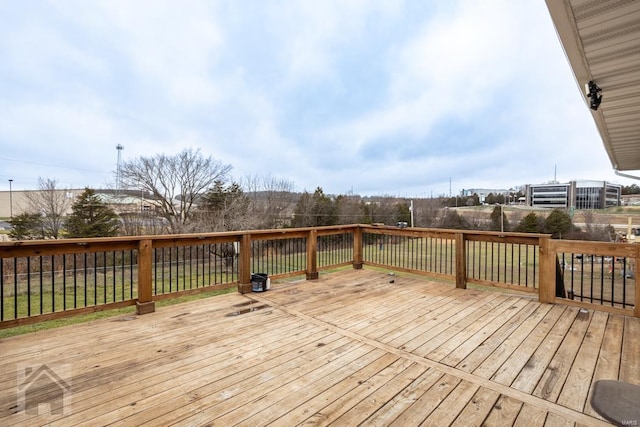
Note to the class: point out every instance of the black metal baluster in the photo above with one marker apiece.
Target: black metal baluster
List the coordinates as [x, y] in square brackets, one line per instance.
[41, 285]
[602, 279]
[15, 287]
[84, 268]
[624, 282]
[1, 289]
[114, 273]
[95, 278]
[53, 285]
[170, 270]
[131, 274]
[64, 282]
[184, 268]
[104, 277]
[190, 267]
[123, 257]
[28, 285]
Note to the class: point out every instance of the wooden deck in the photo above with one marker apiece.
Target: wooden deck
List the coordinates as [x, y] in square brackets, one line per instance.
[350, 348]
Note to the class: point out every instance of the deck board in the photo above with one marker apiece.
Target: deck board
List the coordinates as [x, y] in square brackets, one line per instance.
[608, 363]
[576, 388]
[349, 348]
[504, 412]
[556, 373]
[512, 367]
[505, 351]
[630, 351]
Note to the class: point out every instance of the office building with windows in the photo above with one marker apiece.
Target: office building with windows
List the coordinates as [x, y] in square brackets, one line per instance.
[579, 194]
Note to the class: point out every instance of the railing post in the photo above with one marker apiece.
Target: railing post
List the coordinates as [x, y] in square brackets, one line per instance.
[244, 265]
[145, 303]
[312, 255]
[547, 280]
[461, 261]
[357, 248]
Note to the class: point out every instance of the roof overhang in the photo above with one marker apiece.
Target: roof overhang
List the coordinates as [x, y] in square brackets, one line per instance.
[601, 39]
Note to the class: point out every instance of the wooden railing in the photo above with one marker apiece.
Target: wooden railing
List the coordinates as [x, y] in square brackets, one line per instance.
[596, 275]
[42, 280]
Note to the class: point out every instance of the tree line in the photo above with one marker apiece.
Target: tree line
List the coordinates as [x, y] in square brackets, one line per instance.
[630, 189]
[188, 193]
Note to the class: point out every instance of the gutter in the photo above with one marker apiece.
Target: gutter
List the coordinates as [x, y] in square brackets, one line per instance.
[624, 175]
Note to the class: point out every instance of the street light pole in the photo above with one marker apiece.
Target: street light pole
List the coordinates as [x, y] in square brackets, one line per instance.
[411, 209]
[10, 199]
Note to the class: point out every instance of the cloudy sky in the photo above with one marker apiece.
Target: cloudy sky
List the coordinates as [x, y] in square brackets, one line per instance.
[375, 97]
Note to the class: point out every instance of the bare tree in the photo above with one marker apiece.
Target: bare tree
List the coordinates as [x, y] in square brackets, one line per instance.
[52, 204]
[595, 228]
[272, 200]
[381, 209]
[174, 181]
[427, 212]
[141, 223]
[350, 209]
[222, 208]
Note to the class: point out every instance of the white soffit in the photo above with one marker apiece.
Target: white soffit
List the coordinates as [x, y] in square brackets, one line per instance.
[601, 39]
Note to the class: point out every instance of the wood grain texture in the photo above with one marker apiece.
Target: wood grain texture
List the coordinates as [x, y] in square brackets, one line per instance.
[349, 348]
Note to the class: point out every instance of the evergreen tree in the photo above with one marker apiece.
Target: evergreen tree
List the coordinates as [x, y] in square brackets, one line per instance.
[324, 209]
[315, 210]
[27, 226]
[557, 223]
[529, 224]
[452, 219]
[349, 210]
[403, 213]
[490, 199]
[473, 200]
[224, 208]
[497, 223]
[302, 216]
[91, 217]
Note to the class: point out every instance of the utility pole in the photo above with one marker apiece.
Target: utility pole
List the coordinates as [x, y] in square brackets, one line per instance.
[411, 210]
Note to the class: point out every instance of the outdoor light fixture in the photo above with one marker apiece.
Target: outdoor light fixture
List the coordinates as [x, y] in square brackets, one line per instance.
[595, 95]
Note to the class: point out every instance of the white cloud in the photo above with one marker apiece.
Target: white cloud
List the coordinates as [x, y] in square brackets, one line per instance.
[449, 69]
[312, 35]
[382, 96]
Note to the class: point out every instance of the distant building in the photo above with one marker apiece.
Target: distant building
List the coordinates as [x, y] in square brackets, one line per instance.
[580, 194]
[17, 202]
[121, 201]
[483, 192]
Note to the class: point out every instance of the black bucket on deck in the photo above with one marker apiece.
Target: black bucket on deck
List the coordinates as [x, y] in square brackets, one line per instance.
[259, 282]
